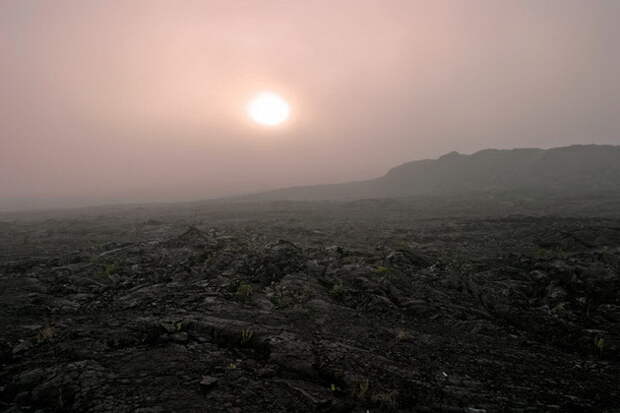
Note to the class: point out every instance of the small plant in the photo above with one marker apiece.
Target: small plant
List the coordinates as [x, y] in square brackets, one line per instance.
[360, 390]
[276, 295]
[302, 295]
[246, 336]
[244, 291]
[108, 270]
[337, 290]
[547, 253]
[45, 334]
[541, 253]
[231, 366]
[385, 399]
[179, 326]
[599, 344]
[403, 335]
[333, 388]
[382, 270]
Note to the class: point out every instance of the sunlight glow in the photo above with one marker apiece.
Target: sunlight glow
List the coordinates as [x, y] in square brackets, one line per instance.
[268, 109]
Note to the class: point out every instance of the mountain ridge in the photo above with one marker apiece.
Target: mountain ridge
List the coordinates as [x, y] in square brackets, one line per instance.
[567, 170]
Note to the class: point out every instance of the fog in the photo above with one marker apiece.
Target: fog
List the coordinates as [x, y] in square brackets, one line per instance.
[132, 101]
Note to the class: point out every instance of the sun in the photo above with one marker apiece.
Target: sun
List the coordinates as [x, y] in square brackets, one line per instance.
[269, 109]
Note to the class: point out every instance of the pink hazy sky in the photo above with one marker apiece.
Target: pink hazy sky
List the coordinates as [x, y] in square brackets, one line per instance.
[144, 100]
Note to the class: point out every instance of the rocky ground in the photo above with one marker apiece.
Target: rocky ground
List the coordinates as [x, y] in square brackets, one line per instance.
[358, 307]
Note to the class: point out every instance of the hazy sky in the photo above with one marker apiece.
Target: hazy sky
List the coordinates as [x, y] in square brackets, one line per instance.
[145, 100]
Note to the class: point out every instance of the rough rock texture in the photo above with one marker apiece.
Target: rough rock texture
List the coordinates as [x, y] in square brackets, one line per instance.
[304, 309]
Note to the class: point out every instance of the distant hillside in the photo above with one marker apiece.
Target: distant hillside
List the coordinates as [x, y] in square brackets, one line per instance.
[564, 171]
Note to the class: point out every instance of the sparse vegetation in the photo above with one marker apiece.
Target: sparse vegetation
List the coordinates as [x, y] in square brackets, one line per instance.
[45, 334]
[244, 291]
[337, 290]
[360, 389]
[302, 295]
[283, 297]
[599, 345]
[108, 270]
[351, 325]
[403, 335]
[246, 336]
[334, 388]
[385, 399]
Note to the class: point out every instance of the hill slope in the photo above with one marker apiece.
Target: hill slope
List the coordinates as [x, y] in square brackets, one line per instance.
[568, 171]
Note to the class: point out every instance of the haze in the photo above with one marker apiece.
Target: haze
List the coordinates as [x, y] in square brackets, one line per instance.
[145, 100]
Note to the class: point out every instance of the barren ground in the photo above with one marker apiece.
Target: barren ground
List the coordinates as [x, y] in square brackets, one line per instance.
[363, 306]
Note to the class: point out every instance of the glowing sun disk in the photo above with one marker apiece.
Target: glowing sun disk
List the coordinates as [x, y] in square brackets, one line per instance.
[268, 109]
